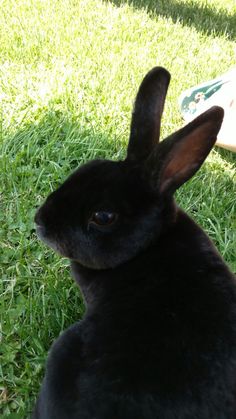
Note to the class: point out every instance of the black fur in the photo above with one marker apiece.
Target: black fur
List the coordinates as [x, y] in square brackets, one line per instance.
[158, 339]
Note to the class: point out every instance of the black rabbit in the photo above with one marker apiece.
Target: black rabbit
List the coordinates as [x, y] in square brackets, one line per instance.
[158, 339]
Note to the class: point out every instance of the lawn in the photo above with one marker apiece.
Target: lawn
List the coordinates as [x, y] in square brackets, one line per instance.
[68, 75]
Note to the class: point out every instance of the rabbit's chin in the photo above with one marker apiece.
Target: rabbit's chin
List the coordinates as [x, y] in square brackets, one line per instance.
[89, 264]
[103, 263]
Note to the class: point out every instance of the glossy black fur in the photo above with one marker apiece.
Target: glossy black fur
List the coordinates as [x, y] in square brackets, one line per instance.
[158, 339]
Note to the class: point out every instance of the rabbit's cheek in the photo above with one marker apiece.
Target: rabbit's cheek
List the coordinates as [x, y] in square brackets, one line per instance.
[80, 248]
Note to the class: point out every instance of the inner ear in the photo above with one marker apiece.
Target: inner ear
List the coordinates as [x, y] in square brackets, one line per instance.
[188, 148]
[146, 118]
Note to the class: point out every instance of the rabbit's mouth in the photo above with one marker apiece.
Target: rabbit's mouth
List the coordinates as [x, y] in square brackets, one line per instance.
[41, 233]
[40, 230]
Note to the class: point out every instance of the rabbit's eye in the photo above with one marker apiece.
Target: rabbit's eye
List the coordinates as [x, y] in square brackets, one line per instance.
[103, 218]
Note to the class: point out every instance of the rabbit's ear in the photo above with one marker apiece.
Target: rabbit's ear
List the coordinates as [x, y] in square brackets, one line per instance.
[184, 152]
[146, 118]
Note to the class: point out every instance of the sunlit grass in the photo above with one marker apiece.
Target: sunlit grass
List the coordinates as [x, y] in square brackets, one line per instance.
[69, 72]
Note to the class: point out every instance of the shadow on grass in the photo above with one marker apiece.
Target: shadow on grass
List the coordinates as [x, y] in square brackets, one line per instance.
[205, 19]
[40, 298]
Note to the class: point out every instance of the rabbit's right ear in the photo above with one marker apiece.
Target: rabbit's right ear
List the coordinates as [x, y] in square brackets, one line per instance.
[146, 118]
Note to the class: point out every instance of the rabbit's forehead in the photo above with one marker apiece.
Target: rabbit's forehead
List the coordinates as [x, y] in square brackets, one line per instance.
[104, 182]
[104, 175]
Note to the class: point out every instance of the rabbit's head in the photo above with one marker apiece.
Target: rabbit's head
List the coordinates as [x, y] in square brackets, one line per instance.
[106, 212]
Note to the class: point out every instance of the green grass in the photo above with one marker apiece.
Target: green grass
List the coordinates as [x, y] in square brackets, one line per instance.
[68, 75]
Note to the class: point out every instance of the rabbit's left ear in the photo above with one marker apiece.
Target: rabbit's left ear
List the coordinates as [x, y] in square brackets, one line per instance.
[182, 154]
[146, 118]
